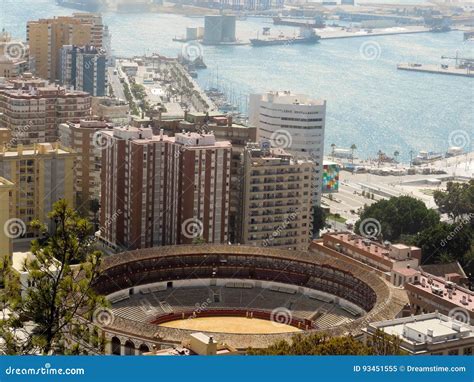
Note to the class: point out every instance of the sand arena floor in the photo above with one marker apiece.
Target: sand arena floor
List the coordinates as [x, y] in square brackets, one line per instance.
[236, 325]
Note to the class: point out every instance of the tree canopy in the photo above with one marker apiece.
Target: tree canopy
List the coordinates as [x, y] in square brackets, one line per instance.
[319, 219]
[399, 216]
[47, 318]
[320, 344]
[457, 200]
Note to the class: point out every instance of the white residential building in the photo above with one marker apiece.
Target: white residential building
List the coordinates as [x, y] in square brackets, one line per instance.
[428, 334]
[293, 122]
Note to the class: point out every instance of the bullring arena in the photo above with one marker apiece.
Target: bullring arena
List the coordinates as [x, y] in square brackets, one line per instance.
[241, 296]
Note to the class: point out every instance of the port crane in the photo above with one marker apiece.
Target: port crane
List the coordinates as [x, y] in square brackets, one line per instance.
[461, 62]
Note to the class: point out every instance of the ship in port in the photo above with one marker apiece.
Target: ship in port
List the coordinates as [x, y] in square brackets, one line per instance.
[316, 22]
[83, 5]
[306, 36]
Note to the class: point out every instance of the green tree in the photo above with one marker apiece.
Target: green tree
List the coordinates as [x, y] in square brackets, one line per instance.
[399, 216]
[199, 240]
[320, 344]
[48, 319]
[444, 242]
[319, 219]
[353, 149]
[457, 200]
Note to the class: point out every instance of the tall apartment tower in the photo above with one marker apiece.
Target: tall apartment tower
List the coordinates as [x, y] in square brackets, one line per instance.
[276, 201]
[14, 56]
[6, 213]
[47, 36]
[42, 174]
[32, 109]
[83, 137]
[158, 190]
[293, 122]
[84, 68]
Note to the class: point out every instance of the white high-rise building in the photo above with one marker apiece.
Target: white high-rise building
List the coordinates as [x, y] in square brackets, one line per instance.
[294, 122]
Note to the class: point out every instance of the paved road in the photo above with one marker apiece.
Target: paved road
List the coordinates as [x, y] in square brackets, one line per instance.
[117, 86]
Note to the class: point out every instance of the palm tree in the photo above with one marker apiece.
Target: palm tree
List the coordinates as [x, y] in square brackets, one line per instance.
[380, 154]
[353, 148]
[411, 157]
[396, 154]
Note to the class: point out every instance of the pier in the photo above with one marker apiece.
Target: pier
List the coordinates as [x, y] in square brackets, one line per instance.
[437, 69]
[331, 33]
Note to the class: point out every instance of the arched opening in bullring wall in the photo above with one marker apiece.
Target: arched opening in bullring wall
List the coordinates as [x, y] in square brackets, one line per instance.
[143, 349]
[116, 346]
[129, 348]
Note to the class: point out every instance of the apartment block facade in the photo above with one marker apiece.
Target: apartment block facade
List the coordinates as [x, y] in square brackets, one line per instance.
[14, 56]
[7, 189]
[83, 137]
[294, 122]
[276, 199]
[85, 69]
[47, 36]
[32, 109]
[158, 190]
[42, 174]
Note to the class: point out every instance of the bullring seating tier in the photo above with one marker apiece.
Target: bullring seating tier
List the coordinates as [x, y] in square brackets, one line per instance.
[146, 308]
